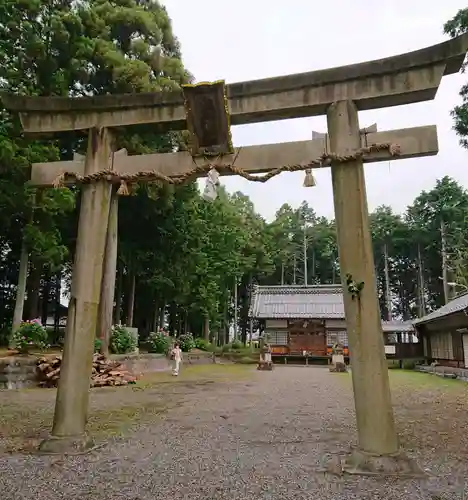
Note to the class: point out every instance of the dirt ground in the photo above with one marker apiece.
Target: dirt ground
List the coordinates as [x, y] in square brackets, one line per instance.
[228, 431]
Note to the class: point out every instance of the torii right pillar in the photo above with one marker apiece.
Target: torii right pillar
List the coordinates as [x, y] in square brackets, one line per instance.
[378, 448]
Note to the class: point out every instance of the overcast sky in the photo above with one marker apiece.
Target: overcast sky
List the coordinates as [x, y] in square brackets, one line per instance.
[247, 39]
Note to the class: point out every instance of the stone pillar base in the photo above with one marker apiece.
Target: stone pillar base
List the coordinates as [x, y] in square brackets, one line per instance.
[338, 368]
[67, 445]
[265, 366]
[368, 464]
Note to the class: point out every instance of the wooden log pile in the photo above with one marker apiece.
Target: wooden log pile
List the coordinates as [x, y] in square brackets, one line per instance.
[105, 372]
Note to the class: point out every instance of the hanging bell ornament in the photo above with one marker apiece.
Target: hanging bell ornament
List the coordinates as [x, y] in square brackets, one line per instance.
[123, 188]
[309, 180]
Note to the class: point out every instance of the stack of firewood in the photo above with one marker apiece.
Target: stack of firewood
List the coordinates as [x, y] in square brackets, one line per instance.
[105, 372]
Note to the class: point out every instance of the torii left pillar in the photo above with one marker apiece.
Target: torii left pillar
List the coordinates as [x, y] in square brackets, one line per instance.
[104, 321]
[71, 407]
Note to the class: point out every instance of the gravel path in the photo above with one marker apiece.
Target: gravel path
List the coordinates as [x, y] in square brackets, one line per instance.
[267, 437]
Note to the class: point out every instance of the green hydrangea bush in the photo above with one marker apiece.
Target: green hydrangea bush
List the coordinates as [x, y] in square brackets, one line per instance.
[122, 341]
[203, 345]
[30, 335]
[159, 342]
[186, 341]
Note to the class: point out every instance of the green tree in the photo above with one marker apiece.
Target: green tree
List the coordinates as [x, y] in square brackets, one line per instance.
[323, 253]
[456, 26]
[434, 214]
[129, 46]
[58, 47]
[393, 256]
[36, 43]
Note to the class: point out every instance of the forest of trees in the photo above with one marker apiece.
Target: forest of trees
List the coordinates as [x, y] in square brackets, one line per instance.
[179, 255]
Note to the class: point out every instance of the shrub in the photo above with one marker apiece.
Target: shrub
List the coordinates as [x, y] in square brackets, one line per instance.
[5, 334]
[30, 334]
[159, 342]
[203, 345]
[121, 340]
[186, 342]
[236, 345]
[247, 360]
[237, 348]
[409, 364]
[97, 345]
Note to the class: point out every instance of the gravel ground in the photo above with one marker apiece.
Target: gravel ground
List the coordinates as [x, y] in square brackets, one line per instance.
[268, 436]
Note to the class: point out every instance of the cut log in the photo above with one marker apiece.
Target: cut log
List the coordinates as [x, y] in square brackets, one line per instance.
[53, 373]
[105, 372]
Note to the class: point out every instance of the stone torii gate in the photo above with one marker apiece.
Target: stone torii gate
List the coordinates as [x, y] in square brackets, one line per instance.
[339, 93]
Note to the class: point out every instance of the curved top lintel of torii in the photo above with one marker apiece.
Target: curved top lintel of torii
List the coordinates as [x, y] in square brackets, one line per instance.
[402, 79]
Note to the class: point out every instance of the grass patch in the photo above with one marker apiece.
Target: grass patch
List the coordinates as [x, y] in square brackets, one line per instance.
[248, 360]
[114, 422]
[200, 374]
[416, 380]
[24, 428]
[421, 380]
[27, 419]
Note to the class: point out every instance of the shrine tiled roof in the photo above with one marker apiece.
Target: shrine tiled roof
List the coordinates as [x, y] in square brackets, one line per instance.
[458, 304]
[307, 302]
[317, 301]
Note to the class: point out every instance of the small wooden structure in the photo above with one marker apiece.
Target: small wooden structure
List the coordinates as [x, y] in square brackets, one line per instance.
[56, 316]
[305, 322]
[444, 333]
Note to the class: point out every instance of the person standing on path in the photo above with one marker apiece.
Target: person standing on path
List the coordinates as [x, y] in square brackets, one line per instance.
[176, 357]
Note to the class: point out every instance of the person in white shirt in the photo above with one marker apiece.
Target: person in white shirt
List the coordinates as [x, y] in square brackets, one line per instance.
[176, 357]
